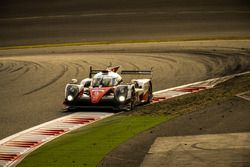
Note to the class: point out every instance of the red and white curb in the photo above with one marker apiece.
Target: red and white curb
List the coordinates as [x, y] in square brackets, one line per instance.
[14, 148]
[191, 88]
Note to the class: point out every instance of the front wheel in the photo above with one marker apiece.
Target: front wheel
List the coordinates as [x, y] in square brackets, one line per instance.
[70, 109]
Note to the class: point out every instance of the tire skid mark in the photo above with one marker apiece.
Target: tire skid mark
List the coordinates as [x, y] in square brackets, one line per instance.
[11, 66]
[164, 57]
[234, 64]
[235, 67]
[244, 54]
[206, 60]
[22, 74]
[65, 69]
[166, 60]
[77, 67]
[7, 66]
[199, 146]
[220, 57]
[26, 69]
[96, 64]
[37, 65]
[239, 65]
[15, 63]
[17, 69]
[102, 65]
[163, 66]
[81, 68]
[134, 65]
[217, 55]
[77, 71]
[4, 69]
[245, 64]
[196, 157]
[88, 63]
[203, 61]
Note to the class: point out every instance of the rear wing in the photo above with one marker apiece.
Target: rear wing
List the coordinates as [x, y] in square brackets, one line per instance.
[125, 72]
[138, 72]
[95, 71]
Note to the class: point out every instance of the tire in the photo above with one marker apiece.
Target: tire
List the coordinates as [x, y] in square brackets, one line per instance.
[150, 93]
[131, 104]
[71, 109]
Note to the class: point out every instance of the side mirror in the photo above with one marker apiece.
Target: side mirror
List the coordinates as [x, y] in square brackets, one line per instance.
[73, 81]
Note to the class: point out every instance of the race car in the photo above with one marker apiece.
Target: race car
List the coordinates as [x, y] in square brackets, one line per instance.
[106, 89]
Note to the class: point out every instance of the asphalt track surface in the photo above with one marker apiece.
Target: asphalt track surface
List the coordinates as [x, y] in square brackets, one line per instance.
[38, 22]
[32, 81]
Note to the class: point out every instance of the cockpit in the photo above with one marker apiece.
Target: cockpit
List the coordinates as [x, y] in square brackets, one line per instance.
[106, 80]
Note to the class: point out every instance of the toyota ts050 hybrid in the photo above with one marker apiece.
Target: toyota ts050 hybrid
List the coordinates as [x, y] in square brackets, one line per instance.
[106, 89]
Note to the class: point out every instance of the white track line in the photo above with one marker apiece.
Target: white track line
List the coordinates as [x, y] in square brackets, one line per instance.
[119, 14]
[244, 95]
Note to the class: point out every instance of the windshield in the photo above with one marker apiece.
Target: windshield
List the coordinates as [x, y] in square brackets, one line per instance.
[104, 81]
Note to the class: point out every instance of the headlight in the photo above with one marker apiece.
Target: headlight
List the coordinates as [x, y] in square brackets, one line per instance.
[70, 98]
[121, 98]
[72, 89]
[121, 93]
[122, 90]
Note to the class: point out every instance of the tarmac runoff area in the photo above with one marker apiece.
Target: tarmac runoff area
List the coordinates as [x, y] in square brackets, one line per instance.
[220, 150]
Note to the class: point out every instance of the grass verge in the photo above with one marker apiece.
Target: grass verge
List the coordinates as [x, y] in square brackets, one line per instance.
[88, 145]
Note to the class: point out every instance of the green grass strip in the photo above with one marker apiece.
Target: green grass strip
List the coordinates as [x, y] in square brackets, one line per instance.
[88, 145]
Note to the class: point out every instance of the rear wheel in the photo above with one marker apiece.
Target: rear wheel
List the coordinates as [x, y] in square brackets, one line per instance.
[131, 104]
[150, 93]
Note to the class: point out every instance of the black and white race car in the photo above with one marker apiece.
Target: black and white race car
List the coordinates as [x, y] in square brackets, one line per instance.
[106, 89]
